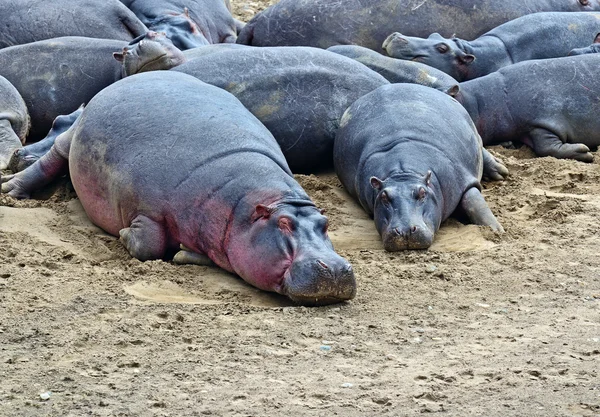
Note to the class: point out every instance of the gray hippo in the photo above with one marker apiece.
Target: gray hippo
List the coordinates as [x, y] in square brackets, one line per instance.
[14, 121]
[25, 21]
[409, 168]
[535, 36]
[298, 93]
[324, 23]
[188, 23]
[399, 71]
[213, 181]
[594, 48]
[56, 76]
[551, 105]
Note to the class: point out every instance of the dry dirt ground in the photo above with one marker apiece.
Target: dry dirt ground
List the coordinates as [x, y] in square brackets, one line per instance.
[479, 325]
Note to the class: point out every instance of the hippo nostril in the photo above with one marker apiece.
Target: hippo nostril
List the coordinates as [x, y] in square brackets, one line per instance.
[413, 230]
[323, 264]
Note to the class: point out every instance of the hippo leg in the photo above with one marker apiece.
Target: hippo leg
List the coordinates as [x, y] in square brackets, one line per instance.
[546, 143]
[50, 166]
[493, 169]
[9, 143]
[186, 257]
[478, 211]
[145, 239]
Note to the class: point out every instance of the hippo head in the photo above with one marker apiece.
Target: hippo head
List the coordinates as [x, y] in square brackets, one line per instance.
[407, 211]
[435, 51]
[180, 28]
[592, 49]
[150, 52]
[285, 249]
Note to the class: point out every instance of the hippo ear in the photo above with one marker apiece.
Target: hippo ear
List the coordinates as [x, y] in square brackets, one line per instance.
[466, 58]
[186, 12]
[119, 56]
[428, 178]
[376, 183]
[322, 211]
[597, 38]
[436, 36]
[452, 91]
[261, 212]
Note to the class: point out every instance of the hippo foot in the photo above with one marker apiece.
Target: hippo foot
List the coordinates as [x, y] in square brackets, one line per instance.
[493, 169]
[144, 239]
[186, 257]
[546, 143]
[14, 187]
[478, 211]
[21, 160]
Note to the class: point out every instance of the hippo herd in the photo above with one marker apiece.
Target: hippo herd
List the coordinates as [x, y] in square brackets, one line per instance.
[181, 127]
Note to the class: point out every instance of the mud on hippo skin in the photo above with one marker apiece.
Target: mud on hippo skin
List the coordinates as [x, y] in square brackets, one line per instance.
[592, 49]
[14, 121]
[535, 36]
[232, 196]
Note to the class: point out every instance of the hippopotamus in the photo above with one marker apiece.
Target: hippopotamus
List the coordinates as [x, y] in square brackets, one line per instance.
[409, 168]
[14, 121]
[324, 23]
[56, 76]
[594, 48]
[213, 182]
[535, 36]
[188, 23]
[551, 105]
[397, 70]
[25, 21]
[299, 94]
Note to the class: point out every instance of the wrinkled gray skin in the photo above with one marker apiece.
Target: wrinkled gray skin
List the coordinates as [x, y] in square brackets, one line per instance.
[535, 36]
[551, 105]
[299, 94]
[324, 23]
[14, 121]
[25, 21]
[409, 168]
[399, 71]
[56, 76]
[27, 155]
[188, 23]
[592, 49]
[231, 196]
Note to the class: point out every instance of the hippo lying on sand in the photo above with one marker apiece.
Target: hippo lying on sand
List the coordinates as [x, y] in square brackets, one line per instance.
[25, 21]
[324, 23]
[14, 121]
[399, 71]
[551, 105]
[213, 180]
[535, 36]
[408, 167]
[592, 49]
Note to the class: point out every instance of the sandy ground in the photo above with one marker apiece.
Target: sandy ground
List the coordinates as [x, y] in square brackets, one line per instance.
[479, 325]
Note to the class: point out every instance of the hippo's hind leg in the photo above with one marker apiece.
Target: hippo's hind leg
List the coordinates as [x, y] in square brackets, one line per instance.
[187, 257]
[493, 169]
[478, 211]
[145, 239]
[546, 143]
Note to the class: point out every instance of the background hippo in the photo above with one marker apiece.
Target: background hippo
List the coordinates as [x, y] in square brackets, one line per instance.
[592, 49]
[213, 180]
[324, 23]
[299, 94]
[399, 71]
[551, 105]
[409, 168]
[188, 23]
[56, 76]
[14, 121]
[535, 36]
[25, 21]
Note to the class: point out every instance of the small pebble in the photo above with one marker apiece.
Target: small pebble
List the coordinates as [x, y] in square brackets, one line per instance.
[45, 396]
[430, 269]
[429, 308]
[482, 305]
[325, 348]
[347, 385]
[327, 342]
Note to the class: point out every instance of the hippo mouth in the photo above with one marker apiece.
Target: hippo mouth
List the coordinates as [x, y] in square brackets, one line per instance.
[158, 58]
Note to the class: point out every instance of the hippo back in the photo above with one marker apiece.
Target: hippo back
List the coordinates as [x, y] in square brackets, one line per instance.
[56, 76]
[367, 23]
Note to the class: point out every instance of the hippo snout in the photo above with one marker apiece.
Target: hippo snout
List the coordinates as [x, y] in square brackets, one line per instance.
[320, 281]
[395, 44]
[407, 237]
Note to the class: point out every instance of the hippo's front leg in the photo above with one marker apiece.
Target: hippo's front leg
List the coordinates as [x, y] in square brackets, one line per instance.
[493, 169]
[478, 211]
[546, 143]
[187, 257]
[144, 239]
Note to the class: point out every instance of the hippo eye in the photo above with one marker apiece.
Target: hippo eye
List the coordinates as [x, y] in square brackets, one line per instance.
[326, 226]
[421, 194]
[584, 2]
[385, 199]
[442, 48]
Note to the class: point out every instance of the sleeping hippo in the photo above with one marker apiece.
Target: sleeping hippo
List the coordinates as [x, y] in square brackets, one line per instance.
[213, 181]
[56, 76]
[188, 23]
[25, 21]
[324, 23]
[299, 94]
[594, 48]
[551, 105]
[14, 121]
[409, 168]
[399, 71]
[535, 36]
